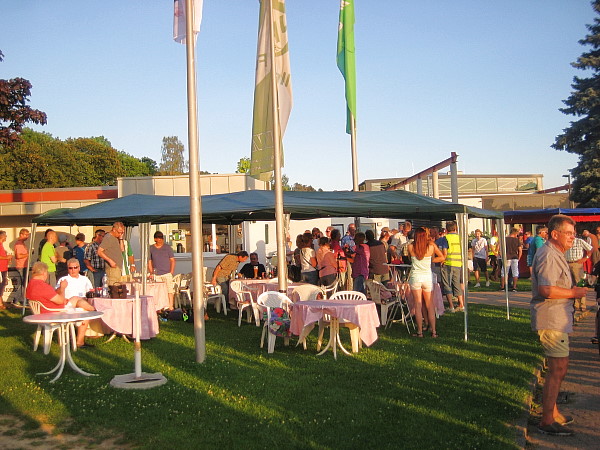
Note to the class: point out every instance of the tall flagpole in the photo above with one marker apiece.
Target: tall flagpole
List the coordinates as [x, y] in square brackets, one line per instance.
[354, 155]
[346, 62]
[195, 195]
[279, 219]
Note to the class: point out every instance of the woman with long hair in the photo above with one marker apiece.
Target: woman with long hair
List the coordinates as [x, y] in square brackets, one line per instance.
[422, 253]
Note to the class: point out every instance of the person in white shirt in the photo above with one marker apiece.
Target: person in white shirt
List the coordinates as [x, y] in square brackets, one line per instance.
[74, 284]
[480, 257]
[74, 287]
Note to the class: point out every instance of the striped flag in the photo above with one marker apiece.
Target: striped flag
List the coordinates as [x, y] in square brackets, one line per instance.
[261, 163]
[346, 58]
[179, 33]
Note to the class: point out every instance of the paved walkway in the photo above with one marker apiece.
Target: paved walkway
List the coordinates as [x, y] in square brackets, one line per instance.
[581, 385]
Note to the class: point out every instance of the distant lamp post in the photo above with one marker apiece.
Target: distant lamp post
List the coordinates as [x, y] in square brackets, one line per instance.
[568, 177]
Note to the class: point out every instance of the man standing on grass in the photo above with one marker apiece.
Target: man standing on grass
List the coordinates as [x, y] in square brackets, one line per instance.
[452, 276]
[514, 250]
[111, 251]
[162, 264]
[480, 257]
[553, 293]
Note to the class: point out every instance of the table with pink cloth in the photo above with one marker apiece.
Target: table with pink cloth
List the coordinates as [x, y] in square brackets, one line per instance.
[257, 287]
[359, 312]
[158, 290]
[118, 315]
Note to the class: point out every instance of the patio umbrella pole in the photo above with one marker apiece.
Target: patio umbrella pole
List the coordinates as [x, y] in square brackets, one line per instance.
[138, 379]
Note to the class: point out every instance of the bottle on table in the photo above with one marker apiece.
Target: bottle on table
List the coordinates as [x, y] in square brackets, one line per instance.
[104, 286]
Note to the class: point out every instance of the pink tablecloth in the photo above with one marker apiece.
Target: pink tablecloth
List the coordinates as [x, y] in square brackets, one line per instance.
[118, 315]
[158, 290]
[359, 312]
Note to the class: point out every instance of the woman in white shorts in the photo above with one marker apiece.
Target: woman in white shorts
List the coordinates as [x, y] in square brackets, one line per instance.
[422, 251]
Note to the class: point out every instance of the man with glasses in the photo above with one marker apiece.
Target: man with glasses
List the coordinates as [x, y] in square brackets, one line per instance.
[93, 262]
[68, 293]
[552, 295]
[73, 288]
[162, 264]
[111, 251]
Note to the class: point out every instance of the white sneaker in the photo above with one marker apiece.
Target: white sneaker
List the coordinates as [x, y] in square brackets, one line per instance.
[477, 285]
[487, 284]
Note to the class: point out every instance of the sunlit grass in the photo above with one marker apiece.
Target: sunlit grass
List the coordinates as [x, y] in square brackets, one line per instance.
[402, 392]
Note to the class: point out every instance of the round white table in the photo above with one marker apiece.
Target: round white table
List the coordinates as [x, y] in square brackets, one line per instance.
[64, 337]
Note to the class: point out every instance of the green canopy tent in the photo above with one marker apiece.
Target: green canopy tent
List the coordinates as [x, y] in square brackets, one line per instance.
[257, 205]
[238, 207]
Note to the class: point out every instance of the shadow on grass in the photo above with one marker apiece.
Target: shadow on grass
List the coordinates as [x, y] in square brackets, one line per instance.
[402, 391]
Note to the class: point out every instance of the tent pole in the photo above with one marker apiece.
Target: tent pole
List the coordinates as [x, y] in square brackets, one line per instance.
[461, 220]
[502, 238]
[25, 282]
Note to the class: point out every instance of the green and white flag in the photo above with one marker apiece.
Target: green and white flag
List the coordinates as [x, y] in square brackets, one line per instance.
[346, 58]
[263, 124]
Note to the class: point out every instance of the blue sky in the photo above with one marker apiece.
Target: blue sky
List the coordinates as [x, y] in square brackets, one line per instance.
[483, 79]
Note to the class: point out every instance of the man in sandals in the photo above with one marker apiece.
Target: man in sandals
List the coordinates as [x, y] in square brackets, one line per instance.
[552, 306]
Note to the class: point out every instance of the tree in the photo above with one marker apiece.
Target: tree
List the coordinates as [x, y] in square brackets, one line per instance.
[582, 137]
[103, 158]
[172, 160]
[304, 187]
[14, 111]
[243, 165]
[133, 167]
[152, 166]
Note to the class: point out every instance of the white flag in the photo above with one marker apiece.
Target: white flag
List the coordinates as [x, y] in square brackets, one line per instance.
[179, 19]
[261, 163]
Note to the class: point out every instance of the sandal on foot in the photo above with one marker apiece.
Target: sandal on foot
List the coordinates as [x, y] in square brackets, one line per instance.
[417, 335]
[434, 334]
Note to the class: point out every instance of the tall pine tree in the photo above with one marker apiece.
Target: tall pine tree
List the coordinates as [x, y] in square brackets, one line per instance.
[583, 135]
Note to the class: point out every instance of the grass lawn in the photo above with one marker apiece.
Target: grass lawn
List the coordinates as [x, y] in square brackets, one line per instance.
[402, 392]
[523, 285]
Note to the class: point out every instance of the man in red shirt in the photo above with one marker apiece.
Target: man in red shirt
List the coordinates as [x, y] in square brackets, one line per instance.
[39, 290]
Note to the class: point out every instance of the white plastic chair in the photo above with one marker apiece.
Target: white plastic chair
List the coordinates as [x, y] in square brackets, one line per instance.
[36, 308]
[185, 288]
[331, 289]
[215, 294]
[374, 289]
[244, 301]
[176, 285]
[306, 292]
[271, 300]
[354, 330]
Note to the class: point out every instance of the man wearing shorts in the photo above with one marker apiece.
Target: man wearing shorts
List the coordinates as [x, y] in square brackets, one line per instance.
[514, 249]
[162, 264]
[480, 256]
[553, 293]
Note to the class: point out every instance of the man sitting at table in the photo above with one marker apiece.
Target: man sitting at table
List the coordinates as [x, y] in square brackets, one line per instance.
[39, 290]
[74, 284]
[253, 269]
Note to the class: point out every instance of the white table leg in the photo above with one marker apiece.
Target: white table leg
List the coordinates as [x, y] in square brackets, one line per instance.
[64, 340]
[332, 336]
